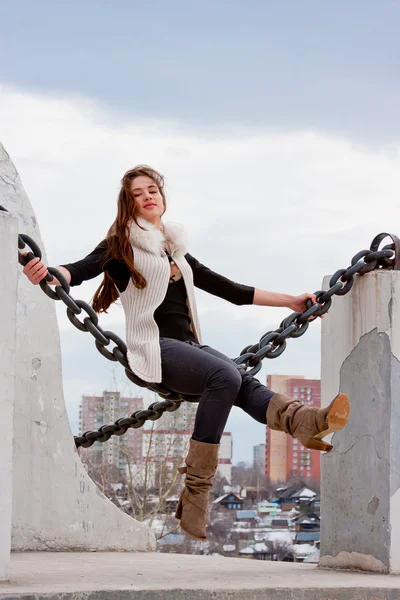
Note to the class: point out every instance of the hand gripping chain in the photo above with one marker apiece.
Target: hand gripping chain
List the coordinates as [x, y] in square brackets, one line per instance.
[271, 345]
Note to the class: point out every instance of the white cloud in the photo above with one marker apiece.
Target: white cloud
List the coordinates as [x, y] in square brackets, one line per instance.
[274, 210]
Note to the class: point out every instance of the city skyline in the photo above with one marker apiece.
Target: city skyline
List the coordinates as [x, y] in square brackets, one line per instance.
[280, 457]
[157, 442]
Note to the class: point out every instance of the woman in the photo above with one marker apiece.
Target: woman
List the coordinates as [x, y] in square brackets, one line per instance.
[146, 263]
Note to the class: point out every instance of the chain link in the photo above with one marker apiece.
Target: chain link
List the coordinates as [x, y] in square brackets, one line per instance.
[271, 345]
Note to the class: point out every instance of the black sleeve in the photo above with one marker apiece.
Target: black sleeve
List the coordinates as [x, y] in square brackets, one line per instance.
[216, 284]
[94, 263]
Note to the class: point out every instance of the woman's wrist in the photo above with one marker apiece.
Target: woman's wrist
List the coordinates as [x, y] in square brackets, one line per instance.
[288, 300]
[265, 298]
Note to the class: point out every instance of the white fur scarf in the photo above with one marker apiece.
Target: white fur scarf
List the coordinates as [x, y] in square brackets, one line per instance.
[142, 333]
[173, 237]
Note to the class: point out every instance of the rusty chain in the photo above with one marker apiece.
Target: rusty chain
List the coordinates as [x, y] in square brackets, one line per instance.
[271, 345]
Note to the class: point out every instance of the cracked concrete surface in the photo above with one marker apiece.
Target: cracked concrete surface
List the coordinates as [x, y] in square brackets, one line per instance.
[7, 182]
[361, 476]
[358, 468]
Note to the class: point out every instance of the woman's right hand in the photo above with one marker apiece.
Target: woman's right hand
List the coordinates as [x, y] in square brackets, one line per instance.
[35, 270]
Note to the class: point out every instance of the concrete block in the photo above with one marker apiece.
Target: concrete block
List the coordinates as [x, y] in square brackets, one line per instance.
[8, 296]
[360, 487]
[56, 505]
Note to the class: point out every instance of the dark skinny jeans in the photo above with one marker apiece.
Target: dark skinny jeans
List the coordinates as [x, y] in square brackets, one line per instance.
[190, 368]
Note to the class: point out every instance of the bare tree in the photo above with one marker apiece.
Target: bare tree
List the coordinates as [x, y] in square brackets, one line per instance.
[245, 475]
[219, 528]
[241, 474]
[280, 549]
[160, 479]
[108, 479]
[218, 485]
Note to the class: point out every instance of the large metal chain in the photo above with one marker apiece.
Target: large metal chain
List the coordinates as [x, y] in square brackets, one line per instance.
[271, 345]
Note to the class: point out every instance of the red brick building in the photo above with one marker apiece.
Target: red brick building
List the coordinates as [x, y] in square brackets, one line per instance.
[285, 456]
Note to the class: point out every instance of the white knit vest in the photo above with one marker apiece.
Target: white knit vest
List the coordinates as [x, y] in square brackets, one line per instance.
[142, 333]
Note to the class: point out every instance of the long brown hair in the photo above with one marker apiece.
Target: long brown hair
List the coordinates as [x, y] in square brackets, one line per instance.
[118, 244]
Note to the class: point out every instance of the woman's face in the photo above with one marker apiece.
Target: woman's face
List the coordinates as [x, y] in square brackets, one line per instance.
[148, 200]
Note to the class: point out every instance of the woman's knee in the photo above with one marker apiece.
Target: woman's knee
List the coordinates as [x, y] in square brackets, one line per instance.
[226, 377]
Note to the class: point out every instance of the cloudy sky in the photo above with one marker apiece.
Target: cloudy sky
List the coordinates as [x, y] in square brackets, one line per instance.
[277, 127]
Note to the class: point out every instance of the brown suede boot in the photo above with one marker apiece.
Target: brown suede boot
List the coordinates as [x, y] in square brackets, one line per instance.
[308, 424]
[201, 466]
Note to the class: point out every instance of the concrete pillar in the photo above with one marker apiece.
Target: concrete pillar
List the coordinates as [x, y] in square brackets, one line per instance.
[8, 295]
[360, 488]
[56, 505]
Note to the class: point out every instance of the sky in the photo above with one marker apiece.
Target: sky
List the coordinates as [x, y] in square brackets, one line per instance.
[276, 125]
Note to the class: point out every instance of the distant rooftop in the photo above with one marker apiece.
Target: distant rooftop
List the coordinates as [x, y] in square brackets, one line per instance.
[246, 514]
